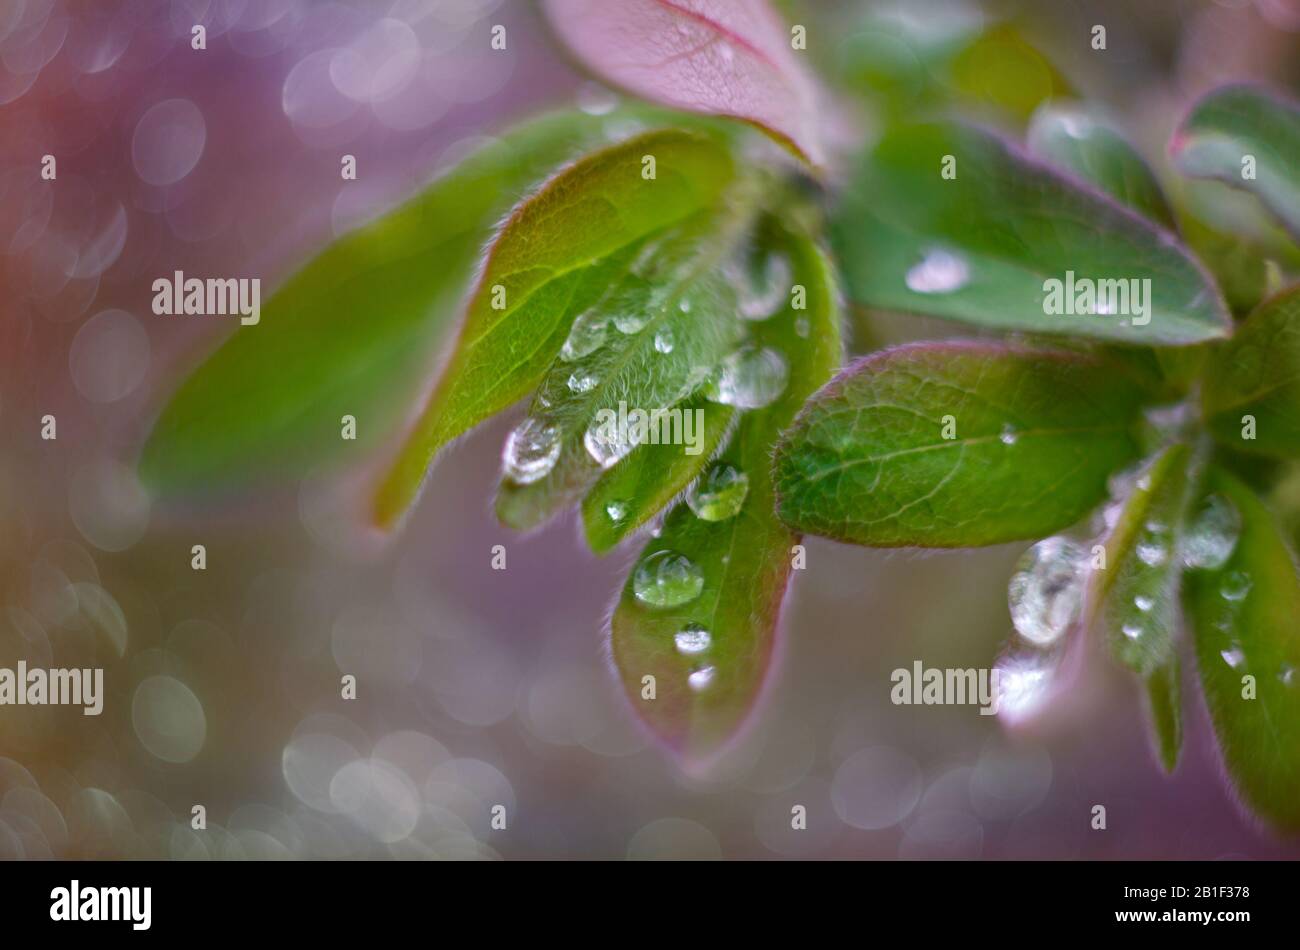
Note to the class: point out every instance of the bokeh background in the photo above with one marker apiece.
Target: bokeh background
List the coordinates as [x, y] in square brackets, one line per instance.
[478, 687]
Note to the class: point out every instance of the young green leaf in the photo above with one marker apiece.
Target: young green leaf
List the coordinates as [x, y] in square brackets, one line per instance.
[957, 444]
[1164, 695]
[703, 629]
[553, 259]
[1247, 138]
[718, 57]
[949, 220]
[647, 343]
[1137, 591]
[630, 494]
[1248, 651]
[1251, 391]
[347, 334]
[1091, 148]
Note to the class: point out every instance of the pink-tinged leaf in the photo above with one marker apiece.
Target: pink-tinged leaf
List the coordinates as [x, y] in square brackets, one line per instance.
[721, 57]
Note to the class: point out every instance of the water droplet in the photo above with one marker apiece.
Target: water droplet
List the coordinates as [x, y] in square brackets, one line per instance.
[616, 510]
[761, 285]
[608, 444]
[692, 639]
[1236, 585]
[1233, 657]
[684, 305]
[595, 99]
[531, 450]
[1131, 630]
[1151, 551]
[802, 327]
[1009, 434]
[664, 340]
[667, 579]
[586, 336]
[749, 378]
[630, 322]
[1121, 483]
[939, 272]
[700, 678]
[1287, 674]
[1046, 591]
[719, 494]
[1212, 534]
[581, 382]
[1143, 603]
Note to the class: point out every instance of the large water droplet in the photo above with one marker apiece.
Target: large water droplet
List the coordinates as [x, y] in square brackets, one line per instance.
[938, 272]
[531, 450]
[762, 286]
[608, 444]
[720, 493]
[667, 579]
[586, 336]
[749, 378]
[1046, 592]
[630, 321]
[692, 639]
[701, 678]
[1235, 586]
[1211, 535]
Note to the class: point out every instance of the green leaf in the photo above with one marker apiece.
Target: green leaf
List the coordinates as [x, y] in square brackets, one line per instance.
[745, 560]
[1082, 143]
[1256, 376]
[1137, 593]
[666, 321]
[1002, 242]
[350, 332]
[554, 258]
[1244, 620]
[638, 488]
[710, 56]
[1034, 435]
[1234, 127]
[1164, 711]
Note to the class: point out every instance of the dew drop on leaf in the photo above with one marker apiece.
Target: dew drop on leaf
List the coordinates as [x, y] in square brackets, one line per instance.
[802, 327]
[720, 493]
[1009, 435]
[1046, 591]
[701, 678]
[531, 450]
[749, 378]
[761, 290]
[1131, 630]
[1233, 657]
[667, 579]
[692, 639]
[938, 272]
[1235, 586]
[607, 444]
[586, 336]
[664, 340]
[1211, 535]
[616, 511]
[580, 382]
